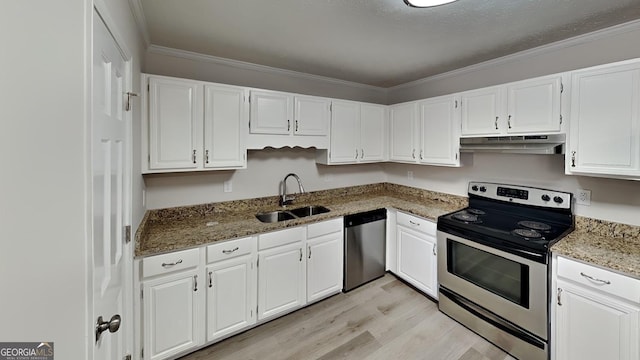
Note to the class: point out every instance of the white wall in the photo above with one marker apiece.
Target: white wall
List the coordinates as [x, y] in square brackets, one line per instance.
[44, 156]
[162, 61]
[613, 200]
[265, 170]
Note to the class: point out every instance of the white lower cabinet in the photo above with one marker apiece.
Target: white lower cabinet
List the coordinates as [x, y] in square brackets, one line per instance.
[597, 314]
[416, 253]
[231, 287]
[325, 251]
[281, 272]
[172, 300]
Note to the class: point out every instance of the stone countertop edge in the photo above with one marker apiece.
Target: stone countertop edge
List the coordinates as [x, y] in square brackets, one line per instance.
[172, 229]
[612, 246]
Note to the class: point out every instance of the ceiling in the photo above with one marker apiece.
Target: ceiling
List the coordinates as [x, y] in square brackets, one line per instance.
[377, 42]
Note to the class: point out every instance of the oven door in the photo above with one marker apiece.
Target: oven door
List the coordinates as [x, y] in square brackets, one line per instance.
[508, 285]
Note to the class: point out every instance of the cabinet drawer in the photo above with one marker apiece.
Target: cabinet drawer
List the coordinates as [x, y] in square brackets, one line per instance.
[172, 262]
[282, 237]
[325, 227]
[609, 282]
[230, 249]
[416, 223]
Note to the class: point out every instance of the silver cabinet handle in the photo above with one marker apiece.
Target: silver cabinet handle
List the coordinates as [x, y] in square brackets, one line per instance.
[288, 125]
[193, 156]
[300, 254]
[496, 123]
[361, 153]
[573, 159]
[195, 282]
[172, 264]
[413, 153]
[509, 122]
[414, 223]
[309, 248]
[434, 249]
[296, 125]
[421, 154]
[210, 279]
[606, 282]
[230, 251]
[559, 294]
[356, 154]
[206, 156]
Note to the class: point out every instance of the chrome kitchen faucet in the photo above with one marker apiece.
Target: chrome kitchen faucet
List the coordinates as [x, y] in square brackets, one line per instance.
[287, 200]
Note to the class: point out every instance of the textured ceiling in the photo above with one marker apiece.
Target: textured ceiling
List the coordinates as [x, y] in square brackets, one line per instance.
[376, 42]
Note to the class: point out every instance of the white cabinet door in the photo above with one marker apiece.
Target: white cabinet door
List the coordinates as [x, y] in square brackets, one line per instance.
[224, 121]
[440, 136]
[481, 111]
[271, 112]
[373, 125]
[311, 115]
[281, 280]
[534, 105]
[324, 266]
[417, 259]
[605, 121]
[231, 296]
[403, 132]
[593, 326]
[175, 123]
[173, 318]
[345, 131]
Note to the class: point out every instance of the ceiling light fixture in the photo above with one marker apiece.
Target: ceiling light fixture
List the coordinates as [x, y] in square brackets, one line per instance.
[427, 3]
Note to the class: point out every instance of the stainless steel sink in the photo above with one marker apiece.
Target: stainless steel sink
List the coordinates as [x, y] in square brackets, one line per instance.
[275, 216]
[309, 210]
[282, 215]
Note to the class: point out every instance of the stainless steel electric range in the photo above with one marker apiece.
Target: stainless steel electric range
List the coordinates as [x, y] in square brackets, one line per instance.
[493, 259]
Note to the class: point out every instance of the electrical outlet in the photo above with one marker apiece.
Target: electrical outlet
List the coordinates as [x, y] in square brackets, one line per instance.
[583, 197]
[328, 178]
[227, 186]
[410, 175]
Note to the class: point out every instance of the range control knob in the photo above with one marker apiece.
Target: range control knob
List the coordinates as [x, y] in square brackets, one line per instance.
[483, 189]
[474, 188]
[546, 197]
[558, 199]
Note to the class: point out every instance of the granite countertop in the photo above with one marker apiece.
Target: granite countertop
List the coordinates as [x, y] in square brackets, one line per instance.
[602, 243]
[173, 229]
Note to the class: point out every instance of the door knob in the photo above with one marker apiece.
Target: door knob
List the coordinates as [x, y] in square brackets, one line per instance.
[112, 325]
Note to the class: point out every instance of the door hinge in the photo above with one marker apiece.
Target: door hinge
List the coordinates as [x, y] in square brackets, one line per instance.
[142, 353]
[456, 104]
[456, 156]
[258, 262]
[127, 357]
[561, 88]
[331, 107]
[148, 87]
[127, 234]
[141, 293]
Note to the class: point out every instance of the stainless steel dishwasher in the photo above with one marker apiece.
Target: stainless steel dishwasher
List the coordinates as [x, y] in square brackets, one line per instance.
[364, 247]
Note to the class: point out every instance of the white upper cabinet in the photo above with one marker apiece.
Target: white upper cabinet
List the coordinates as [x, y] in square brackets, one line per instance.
[481, 111]
[604, 131]
[358, 133]
[530, 106]
[440, 131]
[224, 115]
[271, 112]
[175, 124]
[534, 105]
[281, 119]
[192, 126]
[403, 143]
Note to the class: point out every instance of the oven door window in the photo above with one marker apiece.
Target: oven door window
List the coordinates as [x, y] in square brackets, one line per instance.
[503, 277]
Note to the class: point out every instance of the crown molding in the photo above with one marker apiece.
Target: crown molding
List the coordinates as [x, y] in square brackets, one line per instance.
[190, 55]
[540, 50]
[141, 21]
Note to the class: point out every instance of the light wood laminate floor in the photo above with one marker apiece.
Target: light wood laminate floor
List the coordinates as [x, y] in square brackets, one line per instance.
[384, 319]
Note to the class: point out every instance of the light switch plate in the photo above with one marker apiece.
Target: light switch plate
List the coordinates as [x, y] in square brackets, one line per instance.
[227, 186]
[410, 175]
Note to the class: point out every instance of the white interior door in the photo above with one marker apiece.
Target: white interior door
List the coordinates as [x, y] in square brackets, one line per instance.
[110, 154]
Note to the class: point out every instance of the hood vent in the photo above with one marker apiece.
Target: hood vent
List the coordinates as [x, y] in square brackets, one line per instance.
[528, 144]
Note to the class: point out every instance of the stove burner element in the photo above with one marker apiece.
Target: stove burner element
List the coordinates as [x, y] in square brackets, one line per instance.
[526, 233]
[475, 211]
[534, 225]
[468, 218]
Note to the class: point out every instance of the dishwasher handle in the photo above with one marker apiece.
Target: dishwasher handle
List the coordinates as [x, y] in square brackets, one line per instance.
[365, 217]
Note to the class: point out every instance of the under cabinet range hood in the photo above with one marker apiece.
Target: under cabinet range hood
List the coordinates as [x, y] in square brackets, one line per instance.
[526, 144]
